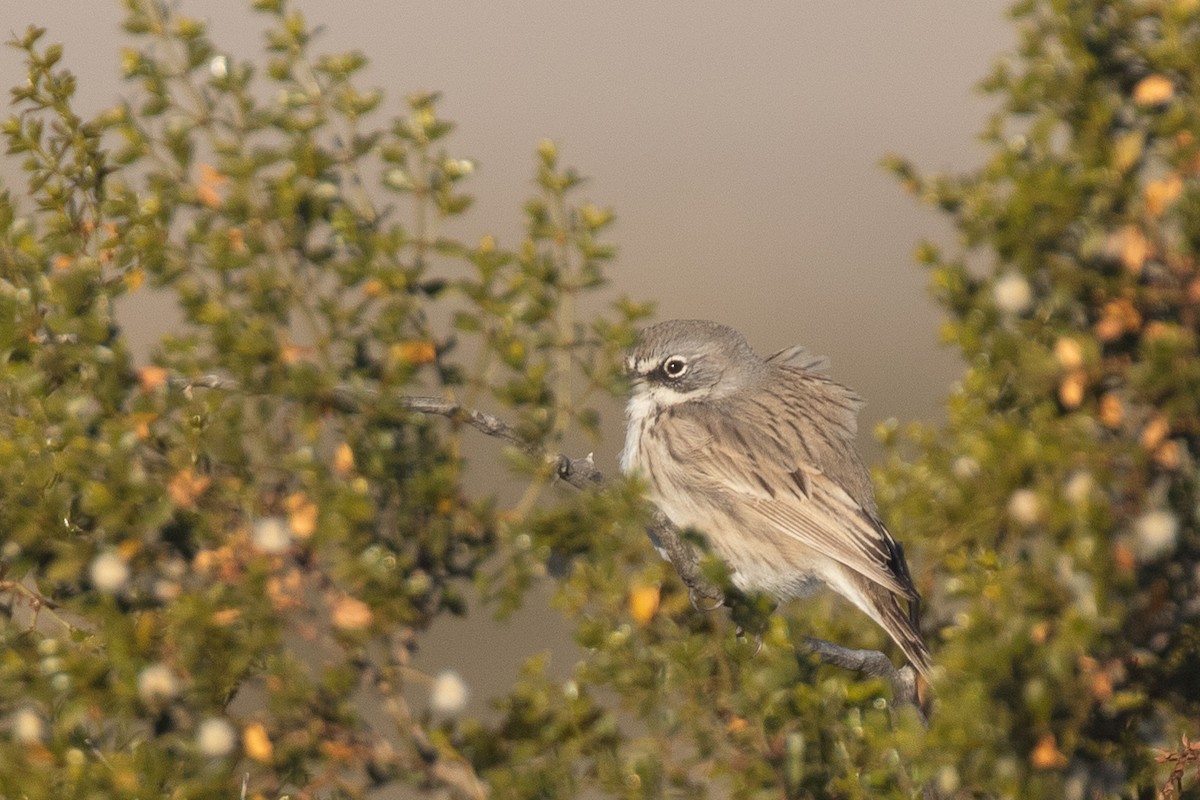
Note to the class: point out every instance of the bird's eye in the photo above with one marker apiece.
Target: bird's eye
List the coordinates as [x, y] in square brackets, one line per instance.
[674, 367]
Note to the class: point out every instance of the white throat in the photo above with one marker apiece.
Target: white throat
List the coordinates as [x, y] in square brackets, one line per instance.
[646, 402]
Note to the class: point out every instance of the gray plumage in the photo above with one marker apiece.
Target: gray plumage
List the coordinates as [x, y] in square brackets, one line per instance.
[759, 455]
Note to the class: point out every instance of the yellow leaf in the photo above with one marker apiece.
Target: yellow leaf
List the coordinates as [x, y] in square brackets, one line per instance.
[414, 352]
[1153, 90]
[1127, 149]
[134, 279]
[257, 743]
[374, 288]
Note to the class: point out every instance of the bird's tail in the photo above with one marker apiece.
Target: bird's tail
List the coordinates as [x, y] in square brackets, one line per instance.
[900, 619]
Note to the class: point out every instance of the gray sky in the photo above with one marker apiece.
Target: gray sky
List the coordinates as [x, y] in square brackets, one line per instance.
[739, 144]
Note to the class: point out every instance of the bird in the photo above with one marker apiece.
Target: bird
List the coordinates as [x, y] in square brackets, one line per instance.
[758, 455]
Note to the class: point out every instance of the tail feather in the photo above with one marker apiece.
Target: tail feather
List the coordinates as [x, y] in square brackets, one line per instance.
[899, 618]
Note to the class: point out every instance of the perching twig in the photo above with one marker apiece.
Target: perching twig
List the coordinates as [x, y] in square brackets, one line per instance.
[583, 474]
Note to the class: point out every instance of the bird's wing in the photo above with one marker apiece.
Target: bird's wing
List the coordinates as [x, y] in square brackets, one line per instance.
[793, 478]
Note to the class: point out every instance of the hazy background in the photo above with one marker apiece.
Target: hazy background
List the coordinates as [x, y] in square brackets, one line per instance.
[738, 143]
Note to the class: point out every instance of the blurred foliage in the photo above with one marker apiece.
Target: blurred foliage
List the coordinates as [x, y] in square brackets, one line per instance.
[216, 570]
[1054, 517]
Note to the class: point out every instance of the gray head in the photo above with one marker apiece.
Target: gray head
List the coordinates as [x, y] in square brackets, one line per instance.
[692, 359]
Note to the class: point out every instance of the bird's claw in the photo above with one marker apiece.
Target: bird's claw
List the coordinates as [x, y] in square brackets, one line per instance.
[694, 599]
[758, 640]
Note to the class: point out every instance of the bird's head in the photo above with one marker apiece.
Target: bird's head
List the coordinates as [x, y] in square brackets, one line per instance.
[684, 360]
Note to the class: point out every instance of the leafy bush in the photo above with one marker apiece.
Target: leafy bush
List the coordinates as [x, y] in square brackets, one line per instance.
[217, 565]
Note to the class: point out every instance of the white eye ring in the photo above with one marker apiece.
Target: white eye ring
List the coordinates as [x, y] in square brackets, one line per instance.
[674, 367]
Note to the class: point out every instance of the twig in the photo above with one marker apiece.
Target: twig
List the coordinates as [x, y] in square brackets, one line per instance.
[583, 474]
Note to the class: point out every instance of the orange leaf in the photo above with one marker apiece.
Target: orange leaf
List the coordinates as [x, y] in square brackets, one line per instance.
[351, 614]
[237, 240]
[209, 185]
[338, 751]
[186, 487]
[292, 353]
[1167, 456]
[1046, 754]
[1070, 391]
[374, 288]
[1155, 431]
[1123, 558]
[1112, 410]
[1161, 193]
[152, 377]
[226, 616]
[302, 515]
[1153, 90]
[257, 743]
[141, 423]
[1069, 353]
[343, 460]
[643, 603]
[1116, 318]
[1134, 249]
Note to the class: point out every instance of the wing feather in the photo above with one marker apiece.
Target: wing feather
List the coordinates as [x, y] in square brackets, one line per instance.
[796, 472]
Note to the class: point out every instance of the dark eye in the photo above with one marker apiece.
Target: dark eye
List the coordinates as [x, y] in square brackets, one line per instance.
[674, 366]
